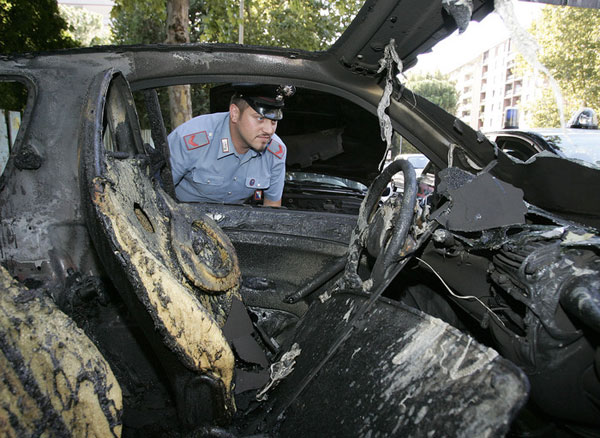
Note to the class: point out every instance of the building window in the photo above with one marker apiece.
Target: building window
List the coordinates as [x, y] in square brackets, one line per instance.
[518, 86]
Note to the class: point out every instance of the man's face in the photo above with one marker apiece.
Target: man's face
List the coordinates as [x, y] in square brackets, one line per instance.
[254, 130]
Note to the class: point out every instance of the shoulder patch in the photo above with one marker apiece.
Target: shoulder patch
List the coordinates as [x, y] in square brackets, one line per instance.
[196, 140]
[276, 149]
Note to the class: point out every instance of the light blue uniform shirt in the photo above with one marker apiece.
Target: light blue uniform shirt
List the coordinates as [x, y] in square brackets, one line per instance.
[207, 168]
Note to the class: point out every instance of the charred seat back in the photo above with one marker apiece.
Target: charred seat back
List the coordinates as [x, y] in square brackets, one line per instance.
[53, 379]
[176, 271]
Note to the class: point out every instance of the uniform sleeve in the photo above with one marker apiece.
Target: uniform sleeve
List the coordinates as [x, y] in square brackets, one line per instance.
[177, 156]
[275, 190]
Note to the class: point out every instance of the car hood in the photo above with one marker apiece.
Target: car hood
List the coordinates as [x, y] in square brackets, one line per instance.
[414, 25]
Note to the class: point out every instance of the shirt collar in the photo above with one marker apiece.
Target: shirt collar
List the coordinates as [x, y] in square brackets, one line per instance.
[223, 139]
[225, 144]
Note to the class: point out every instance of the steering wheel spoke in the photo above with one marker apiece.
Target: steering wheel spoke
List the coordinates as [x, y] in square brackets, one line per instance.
[381, 227]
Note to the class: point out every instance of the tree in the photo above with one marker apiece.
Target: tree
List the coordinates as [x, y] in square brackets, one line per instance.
[85, 26]
[299, 24]
[571, 52]
[180, 100]
[136, 22]
[29, 26]
[543, 112]
[436, 88]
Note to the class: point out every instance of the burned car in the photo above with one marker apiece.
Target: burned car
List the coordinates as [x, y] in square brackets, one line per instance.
[472, 311]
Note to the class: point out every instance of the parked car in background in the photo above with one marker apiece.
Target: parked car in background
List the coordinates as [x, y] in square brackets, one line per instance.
[425, 182]
[580, 140]
[315, 191]
[418, 161]
[470, 311]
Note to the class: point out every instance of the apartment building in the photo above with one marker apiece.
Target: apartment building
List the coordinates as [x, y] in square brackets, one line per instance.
[490, 89]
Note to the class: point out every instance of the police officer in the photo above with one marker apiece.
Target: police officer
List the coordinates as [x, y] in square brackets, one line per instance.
[231, 156]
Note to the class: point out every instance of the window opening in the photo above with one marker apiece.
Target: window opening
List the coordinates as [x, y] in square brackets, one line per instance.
[13, 100]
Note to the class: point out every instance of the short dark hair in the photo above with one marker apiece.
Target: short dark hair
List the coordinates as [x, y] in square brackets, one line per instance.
[240, 102]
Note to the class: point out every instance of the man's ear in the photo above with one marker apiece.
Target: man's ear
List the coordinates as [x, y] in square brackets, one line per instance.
[234, 112]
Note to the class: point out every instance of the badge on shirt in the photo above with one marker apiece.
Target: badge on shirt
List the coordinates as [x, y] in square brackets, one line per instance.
[225, 145]
[196, 140]
[276, 149]
[258, 195]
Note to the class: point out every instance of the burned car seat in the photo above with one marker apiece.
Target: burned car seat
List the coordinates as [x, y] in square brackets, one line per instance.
[175, 270]
[53, 379]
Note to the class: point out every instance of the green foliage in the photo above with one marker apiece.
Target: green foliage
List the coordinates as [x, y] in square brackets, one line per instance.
[85, 26]
[299, 24]
[543, 112]
[436, 88]
[136, 22]
[13, 96]
[31, 26]
[289, 23]
[571, 52]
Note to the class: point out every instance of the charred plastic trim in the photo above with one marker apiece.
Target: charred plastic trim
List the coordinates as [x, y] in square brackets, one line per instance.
[401, 220]
[532, 277]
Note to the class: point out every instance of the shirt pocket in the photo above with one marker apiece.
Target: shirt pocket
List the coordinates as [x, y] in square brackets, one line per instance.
[207, 183]
[258, 183]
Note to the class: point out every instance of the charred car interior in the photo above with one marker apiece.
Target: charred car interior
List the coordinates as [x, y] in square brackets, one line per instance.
[471, 309]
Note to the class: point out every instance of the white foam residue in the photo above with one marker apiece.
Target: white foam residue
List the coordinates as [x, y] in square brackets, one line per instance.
[348, 313]
[555, 232]
[574, 237]
[280, 370]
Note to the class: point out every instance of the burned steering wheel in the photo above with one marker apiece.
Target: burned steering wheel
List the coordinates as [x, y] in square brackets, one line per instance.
[398, 221]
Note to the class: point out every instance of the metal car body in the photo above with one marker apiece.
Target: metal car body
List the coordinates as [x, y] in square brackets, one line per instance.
[572, 143]
[129, 312]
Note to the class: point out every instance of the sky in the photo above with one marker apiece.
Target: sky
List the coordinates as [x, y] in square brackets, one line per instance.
[479, 36]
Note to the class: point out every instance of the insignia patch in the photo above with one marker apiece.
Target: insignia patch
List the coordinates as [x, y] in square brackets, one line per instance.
[252, 182]
[196, 140]
[225, 145]
[258, 195]
[276, 149]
